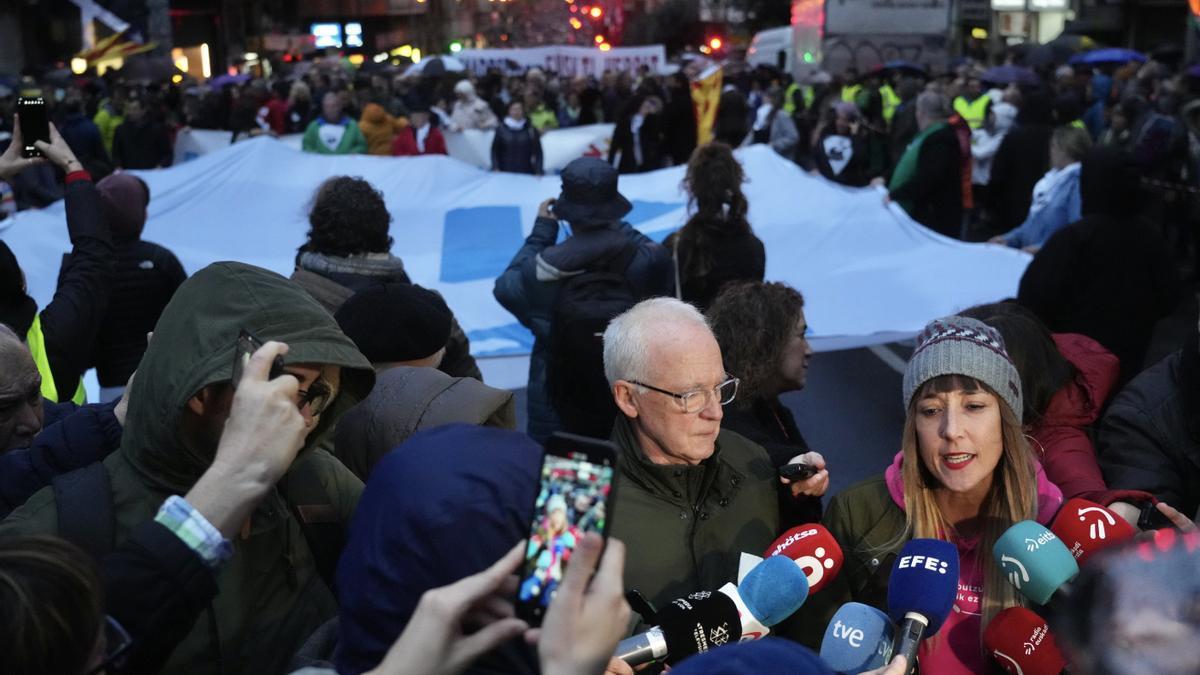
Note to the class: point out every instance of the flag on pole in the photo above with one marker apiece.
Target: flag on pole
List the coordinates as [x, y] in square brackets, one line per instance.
[706, 97]
[114, 46]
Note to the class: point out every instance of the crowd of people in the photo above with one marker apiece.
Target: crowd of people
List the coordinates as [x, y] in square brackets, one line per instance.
[353, 498]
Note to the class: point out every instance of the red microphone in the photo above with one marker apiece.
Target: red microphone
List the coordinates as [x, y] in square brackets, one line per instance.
[814, 549]
[1021, 642]
[1087, 528]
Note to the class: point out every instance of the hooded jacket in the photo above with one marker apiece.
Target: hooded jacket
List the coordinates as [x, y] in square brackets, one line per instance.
[379, 128]
[868, 521]
[985, 144]
[271, 597]
[529, 287]
[685, 526]
[447, 504]
[406, 400]
[1063, 435]
[1110, 275]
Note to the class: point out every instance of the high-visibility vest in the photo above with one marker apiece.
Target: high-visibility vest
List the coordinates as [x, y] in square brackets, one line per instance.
[890, 102]
[37, 347]
[1078, 124]
[789, 97]
[850, 93]
[974, 112]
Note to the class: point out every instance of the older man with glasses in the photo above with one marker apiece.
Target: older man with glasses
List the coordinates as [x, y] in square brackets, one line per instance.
[690, 497]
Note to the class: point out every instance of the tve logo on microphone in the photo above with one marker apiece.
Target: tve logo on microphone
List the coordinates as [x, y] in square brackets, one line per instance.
[931, 564]
[854, 636]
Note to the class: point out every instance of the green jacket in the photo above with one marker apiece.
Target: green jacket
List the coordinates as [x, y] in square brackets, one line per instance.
[352, 141]
[684, 526]
[870, 528]
[270, 595]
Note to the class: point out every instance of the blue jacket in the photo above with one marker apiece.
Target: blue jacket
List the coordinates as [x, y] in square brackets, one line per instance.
[72, 438]
[1058, 207]
[529, 287]
[446, 504]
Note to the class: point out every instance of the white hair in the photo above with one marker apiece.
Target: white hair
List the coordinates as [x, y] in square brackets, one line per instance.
[627, 338]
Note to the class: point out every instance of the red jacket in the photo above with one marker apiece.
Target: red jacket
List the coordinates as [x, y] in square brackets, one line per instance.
[1062, 439]
[406, 143]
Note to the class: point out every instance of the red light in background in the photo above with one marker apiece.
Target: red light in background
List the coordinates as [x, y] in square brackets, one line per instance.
[599, 39]
[715, 43]
[596, 12]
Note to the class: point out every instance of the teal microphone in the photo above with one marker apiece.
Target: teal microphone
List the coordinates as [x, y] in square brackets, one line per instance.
[1036, 561]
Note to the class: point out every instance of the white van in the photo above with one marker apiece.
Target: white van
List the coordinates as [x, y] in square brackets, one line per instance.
[767, 45]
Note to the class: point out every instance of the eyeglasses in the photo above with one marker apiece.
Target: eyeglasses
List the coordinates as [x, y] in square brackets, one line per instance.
[696, 400]
[318, 396]
[116, 643]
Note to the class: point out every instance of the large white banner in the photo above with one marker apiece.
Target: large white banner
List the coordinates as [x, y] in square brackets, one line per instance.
[566, 61]
[869, 274]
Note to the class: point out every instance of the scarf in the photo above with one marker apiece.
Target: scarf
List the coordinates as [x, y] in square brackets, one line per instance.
[366, 264]
[514, 124]
[906, 168]
[421, 134]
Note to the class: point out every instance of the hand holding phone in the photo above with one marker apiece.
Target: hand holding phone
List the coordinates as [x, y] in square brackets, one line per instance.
[574, 498]
[35, 126]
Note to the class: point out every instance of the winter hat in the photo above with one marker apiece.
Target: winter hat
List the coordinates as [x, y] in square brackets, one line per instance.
[589, 193]
[556, 503]
[957, 345]
[396, 322]
[125, 198]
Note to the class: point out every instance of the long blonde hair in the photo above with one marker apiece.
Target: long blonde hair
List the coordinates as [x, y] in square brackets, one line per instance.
[1011, 499]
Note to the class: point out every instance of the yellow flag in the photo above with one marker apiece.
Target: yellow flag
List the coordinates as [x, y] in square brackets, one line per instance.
[706, 96]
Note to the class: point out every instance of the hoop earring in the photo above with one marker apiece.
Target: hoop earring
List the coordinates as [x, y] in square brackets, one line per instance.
[1036, 445]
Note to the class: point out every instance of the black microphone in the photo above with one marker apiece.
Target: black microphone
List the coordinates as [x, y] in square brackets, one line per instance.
[687, 626]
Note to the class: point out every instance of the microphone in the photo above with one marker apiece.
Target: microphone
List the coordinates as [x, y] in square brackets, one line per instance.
[687, 626]
[1021, 642]
[814, 549]
[1035, 560]
[921, 592]
[1086, 528]
[858, 639]
[770, 593]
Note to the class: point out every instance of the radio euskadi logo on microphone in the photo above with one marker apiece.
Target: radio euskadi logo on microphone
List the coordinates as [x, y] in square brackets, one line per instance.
[931, 564]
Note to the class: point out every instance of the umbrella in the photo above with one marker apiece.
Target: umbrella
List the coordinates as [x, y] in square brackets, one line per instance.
[906, 66]
[226, 79]
[1009, 75]
[1112, 55]
[435, 66]
[1194, 71]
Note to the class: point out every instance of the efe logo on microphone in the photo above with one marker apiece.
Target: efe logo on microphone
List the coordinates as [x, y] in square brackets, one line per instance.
[931, 564]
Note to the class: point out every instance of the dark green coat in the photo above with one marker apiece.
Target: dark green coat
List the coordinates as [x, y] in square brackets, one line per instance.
[870, 528]
[685, 526]
[270, 595]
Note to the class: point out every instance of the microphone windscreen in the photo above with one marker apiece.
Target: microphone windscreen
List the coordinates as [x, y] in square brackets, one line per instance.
[858, 638]
[698, 623]
[924, 580]
[1034, 560]
[1086, 528]
[814, 549]
[1021, 642]
[774, 590]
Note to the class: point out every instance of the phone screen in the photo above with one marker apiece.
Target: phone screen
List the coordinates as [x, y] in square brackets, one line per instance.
[34, 126]
[573, 499]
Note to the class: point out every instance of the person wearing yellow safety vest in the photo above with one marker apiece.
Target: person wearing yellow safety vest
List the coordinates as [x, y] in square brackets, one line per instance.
[972, 105]
[61, 335]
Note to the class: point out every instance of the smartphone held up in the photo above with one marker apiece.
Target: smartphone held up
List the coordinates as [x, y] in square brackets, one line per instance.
[575, 496]
[35, 126]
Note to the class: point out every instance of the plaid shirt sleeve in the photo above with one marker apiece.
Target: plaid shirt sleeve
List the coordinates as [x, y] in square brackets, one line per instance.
[180, 517]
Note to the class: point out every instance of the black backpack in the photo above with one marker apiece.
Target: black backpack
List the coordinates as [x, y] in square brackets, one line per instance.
[584, 306]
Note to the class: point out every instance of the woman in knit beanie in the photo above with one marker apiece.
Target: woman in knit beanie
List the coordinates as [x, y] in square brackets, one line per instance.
[964, 474]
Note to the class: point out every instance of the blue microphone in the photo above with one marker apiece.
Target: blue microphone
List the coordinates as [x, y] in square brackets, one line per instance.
[921, 592]
[774, 589]
[1036, 561]
[858, 639]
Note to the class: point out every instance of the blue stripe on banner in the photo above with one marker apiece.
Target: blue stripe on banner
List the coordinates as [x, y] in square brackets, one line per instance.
[646, 211]
[479, 242]
[518, 337]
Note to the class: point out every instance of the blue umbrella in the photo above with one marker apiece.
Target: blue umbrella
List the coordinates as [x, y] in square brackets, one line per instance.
[1194, 71]
[1009, 75]
[1110, 55]
[908, 66]
[226, 79]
